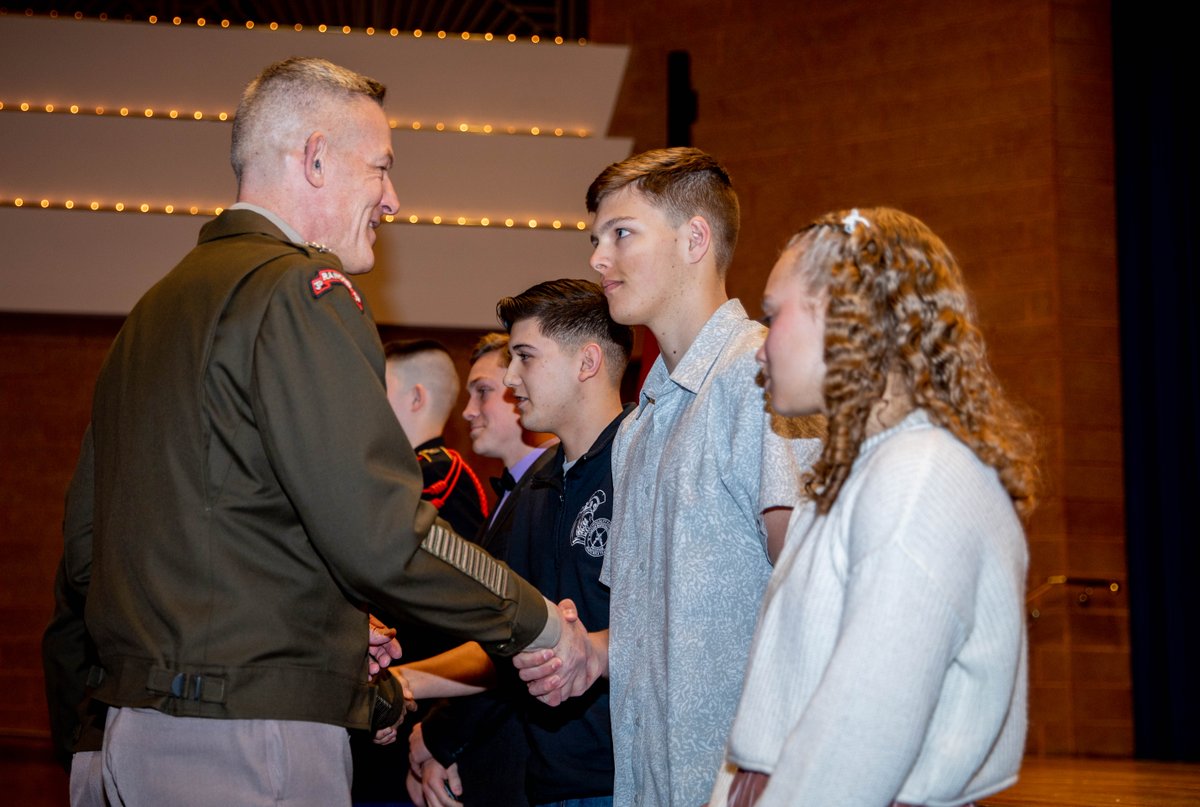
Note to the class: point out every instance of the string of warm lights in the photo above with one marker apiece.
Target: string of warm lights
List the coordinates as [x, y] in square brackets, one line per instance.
[116, 112]
[107, 207]
[507, 222]
[200, 115]
[201, 22]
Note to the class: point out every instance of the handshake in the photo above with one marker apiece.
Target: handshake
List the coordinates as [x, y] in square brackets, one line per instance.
[568, 669]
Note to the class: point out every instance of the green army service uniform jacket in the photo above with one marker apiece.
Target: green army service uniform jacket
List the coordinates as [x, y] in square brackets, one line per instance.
[244, 495]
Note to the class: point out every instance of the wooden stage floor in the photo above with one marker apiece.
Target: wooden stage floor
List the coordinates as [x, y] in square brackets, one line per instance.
[1070, 782]
[29, 778]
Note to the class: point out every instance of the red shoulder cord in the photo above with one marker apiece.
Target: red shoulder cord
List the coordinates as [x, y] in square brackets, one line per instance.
[446, 486]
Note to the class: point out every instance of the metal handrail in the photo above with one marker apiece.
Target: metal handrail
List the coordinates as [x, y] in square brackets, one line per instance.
[1089, 585]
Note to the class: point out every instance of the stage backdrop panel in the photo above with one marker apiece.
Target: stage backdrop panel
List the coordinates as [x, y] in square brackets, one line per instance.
[527, 187]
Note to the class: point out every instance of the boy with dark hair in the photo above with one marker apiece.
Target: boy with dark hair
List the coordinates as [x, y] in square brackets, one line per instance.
[568, 358]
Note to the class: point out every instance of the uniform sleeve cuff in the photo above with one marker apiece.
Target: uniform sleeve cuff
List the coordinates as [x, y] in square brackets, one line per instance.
[550, 632]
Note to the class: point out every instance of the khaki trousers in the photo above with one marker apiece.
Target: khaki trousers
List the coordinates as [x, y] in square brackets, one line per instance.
[154, 759]
[87, 779]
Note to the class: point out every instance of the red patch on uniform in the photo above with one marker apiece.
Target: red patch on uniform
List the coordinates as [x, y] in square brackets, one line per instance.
[326, 279]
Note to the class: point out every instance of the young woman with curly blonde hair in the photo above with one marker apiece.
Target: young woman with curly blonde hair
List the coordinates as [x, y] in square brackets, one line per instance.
[889, 662]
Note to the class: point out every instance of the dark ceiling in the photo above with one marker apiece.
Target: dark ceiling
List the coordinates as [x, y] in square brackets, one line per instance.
[524, 18]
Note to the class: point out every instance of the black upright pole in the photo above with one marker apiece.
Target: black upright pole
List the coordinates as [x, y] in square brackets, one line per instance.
[681, 99]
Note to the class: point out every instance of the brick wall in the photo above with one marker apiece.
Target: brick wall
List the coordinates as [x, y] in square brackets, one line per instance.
[1089, 469]
[992, 122]
[46, 378]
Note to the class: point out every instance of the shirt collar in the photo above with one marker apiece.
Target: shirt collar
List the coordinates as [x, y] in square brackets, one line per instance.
[700, 357]
[554, 472]
[273, 217]
[522, 465]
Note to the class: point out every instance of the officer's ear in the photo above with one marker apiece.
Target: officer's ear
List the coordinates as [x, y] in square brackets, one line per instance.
[315, 148]
[418, 397]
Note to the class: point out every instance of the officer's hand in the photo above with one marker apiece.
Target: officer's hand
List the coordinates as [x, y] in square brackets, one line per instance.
[382, 647]
[570, 668]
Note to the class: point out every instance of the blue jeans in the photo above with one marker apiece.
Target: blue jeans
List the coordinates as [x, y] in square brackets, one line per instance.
[594, 801]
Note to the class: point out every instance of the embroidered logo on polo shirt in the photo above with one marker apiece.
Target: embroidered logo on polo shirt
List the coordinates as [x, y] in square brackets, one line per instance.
[326, 279]
[590, 531]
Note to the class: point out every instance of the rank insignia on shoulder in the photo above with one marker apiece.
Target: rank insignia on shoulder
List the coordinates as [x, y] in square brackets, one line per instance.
[318, 247]
[326, 279]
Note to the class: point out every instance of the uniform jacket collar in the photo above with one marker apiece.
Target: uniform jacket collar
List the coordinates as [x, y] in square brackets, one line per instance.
[551, 474]
[242, 222]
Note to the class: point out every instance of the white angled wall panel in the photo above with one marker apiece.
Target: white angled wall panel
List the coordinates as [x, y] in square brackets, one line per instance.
[443, 276]
[61, 261]
[452, 277]
[137, 65]
[113, 160]
[185, 163]
[80, 261]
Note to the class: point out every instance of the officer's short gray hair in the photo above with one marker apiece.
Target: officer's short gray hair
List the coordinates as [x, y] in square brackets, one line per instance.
[288, 101]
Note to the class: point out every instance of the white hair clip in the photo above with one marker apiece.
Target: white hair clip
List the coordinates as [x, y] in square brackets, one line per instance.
[849, 222]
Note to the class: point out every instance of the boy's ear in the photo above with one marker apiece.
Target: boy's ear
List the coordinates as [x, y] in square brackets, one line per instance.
[591, 359]
[699, 238]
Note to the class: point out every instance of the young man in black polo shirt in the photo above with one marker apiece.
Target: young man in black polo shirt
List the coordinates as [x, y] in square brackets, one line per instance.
[568, 357]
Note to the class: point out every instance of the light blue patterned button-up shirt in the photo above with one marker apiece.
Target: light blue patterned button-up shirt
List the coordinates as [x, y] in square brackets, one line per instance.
[693, 468]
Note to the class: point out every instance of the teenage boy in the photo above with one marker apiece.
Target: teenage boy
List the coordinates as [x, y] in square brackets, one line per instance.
[491, 770]
[703, 485]
[422, 388]
[496, 431]
[568, 357]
